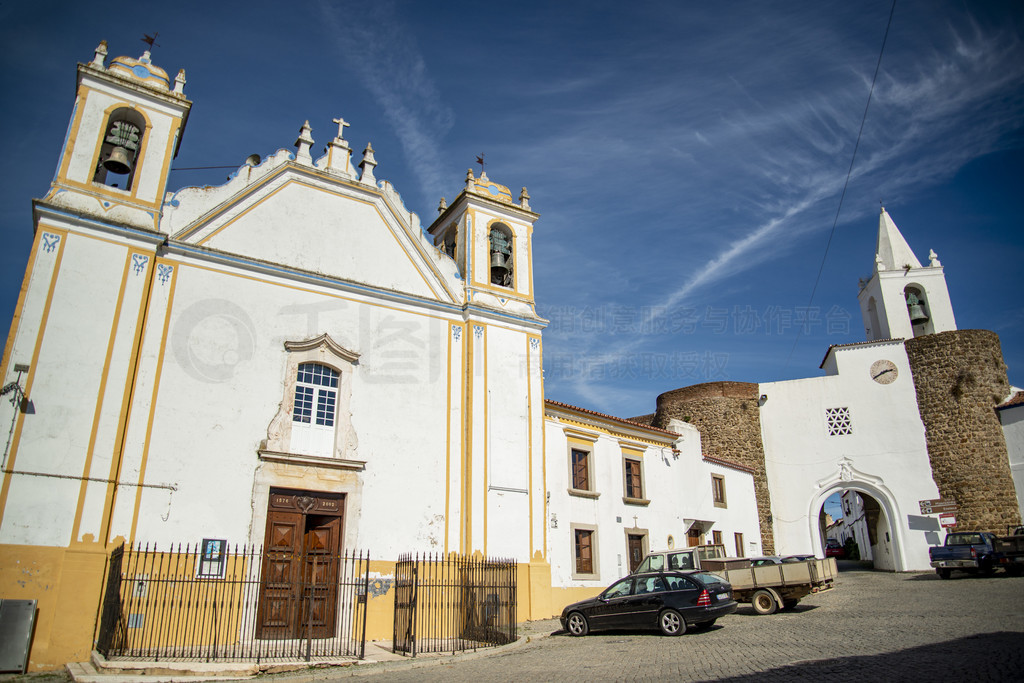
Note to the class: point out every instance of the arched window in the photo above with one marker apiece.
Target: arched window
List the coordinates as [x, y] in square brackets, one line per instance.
[314, 409]
[119, 153]
[917, 309]
[500, 238]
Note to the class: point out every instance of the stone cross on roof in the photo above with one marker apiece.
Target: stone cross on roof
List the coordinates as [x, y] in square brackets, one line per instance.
[342, 125]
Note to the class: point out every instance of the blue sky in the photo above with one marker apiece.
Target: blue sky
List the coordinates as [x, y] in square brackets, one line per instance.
[686, 158]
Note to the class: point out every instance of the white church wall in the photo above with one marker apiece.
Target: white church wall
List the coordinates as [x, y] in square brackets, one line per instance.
[323, 228]
[221, 384]
[1012, 419]
[69, 361]
[885, 449]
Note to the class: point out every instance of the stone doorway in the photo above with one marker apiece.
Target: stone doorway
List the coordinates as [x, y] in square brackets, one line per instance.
[302, 547]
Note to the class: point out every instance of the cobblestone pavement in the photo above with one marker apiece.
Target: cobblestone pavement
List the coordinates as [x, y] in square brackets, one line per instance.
[872, 626]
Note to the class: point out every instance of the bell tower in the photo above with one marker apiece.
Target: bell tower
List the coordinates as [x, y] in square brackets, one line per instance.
[125, 130]
[488, 234]
[902, 298]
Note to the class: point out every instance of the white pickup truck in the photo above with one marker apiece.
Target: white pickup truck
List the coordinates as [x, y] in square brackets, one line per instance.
[768, 584]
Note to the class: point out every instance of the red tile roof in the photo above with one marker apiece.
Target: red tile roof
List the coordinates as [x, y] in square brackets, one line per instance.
[726, 463]
[610, 417]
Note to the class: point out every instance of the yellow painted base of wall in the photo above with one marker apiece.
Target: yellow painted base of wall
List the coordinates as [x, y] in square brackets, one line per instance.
[67, 584]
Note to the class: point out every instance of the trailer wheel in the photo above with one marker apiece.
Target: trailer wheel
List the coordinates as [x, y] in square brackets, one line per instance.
[764, 602]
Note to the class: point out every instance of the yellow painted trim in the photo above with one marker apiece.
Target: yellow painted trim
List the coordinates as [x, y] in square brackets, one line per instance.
[584, 426]
[580, 440]
[204, 222]
[153, 398]
[12, 455]
[19, 307]
[126, 404]
[98, 411]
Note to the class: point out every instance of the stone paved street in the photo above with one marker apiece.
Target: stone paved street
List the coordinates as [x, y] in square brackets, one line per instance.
[873, 626]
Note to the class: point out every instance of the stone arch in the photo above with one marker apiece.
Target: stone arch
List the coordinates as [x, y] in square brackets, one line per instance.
[849, 479]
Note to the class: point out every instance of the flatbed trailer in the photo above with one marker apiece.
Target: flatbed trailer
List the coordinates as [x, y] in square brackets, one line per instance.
[771, 587]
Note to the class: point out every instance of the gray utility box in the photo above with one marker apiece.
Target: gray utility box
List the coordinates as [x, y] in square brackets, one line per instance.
[17, 619]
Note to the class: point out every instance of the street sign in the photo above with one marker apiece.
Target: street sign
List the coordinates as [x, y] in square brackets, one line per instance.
[937, 507]
[947, 520]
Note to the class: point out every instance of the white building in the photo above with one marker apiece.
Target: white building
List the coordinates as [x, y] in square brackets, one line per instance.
[290, 360]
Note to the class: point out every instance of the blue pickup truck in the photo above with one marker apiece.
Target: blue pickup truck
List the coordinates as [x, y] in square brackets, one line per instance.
[969, 551]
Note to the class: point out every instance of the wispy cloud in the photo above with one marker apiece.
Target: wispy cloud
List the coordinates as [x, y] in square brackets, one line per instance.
[383, 53]
[784, 159]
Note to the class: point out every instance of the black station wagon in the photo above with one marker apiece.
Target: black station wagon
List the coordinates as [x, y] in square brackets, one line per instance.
[669, 601]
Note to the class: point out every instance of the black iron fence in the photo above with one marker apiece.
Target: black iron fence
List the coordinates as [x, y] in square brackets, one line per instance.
[453, 603]
[215, 603]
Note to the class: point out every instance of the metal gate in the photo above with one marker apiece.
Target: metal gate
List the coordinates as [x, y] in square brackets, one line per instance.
[211, 604]
[454, 603]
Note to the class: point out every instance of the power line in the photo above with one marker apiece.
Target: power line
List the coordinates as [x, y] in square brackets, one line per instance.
[849, 172]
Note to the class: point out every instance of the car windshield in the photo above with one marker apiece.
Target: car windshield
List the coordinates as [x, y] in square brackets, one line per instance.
[963, 539]
[680, 561]
[712, 581]
[618, 589]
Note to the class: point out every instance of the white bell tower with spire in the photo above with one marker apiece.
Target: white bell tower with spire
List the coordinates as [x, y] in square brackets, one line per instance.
[903, 299]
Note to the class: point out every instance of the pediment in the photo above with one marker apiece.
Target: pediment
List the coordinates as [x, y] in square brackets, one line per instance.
[306, 221]
[325, 341]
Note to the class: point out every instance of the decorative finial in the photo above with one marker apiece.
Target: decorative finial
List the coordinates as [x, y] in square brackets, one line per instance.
[367, 165]
[524, 199]
[442, 205]
[303, 143]
[470, 181]
[878, 263]
[933, 259]
[100, 55]
[179, 82]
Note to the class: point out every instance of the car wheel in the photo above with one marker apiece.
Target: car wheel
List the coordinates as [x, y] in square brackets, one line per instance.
[943, 573]
[577, 625]
[672, 623]
[764, 602]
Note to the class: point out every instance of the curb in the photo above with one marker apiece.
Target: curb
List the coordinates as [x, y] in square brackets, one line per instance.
[371, 668]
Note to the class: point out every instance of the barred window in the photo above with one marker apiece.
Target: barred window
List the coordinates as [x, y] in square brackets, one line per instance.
[838, 420]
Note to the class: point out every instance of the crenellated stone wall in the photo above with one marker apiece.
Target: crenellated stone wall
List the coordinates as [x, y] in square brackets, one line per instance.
[960, 377]
[728, 417]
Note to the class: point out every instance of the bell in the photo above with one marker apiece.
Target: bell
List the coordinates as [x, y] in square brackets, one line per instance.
[118, 162]
[498, 261]
[917, 314]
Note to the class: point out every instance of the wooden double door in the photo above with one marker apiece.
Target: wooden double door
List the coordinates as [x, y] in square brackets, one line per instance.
[299, 588]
